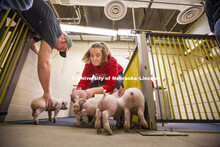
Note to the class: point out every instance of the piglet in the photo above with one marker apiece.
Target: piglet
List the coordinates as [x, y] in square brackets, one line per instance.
[78, 98]
[89, 109]
[84, 107]
[133, 104]
[38, 105]
[108, 106]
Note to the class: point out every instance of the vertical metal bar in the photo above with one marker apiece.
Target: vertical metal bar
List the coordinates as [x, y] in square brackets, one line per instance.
[146, 84]
[184, 104]
[8, 44]
[13, 65]
[161, 80]
[171, 102]
[210, 64]
[212, 55]
[11, 54]
[174, 85]
[16, 74]
[205, 78]
[6, 32]
[149, 37]
[199, 76]
[190, 78]
[215, 49]
[187, 71]
[210, 77]
[4, 18]
[194, 77]
[213, 68]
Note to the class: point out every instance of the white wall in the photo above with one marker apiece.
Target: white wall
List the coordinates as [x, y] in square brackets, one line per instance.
[201, 26]
[71, 68]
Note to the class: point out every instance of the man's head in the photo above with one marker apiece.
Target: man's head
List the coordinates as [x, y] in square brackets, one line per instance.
[64, 42]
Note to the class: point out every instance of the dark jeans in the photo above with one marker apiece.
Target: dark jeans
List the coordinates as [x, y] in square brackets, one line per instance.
[119, 82]
[217, 31]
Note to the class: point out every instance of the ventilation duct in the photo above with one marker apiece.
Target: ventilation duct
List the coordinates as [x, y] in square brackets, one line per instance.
[190, 10]
[115, 9]
[190, 14]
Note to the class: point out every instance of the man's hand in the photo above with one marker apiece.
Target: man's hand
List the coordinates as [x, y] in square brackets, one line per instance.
[48, 100]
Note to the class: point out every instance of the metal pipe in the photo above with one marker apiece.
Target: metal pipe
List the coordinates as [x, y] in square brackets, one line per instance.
[205, 78]
[161, 80]
[159, 2]
[133, 16]
[150, 43]
[145, 15]
[167, 77]
[174, 85]
[215, 49]
[6, 48]
[13, 65]
[4, 18]
[211, 64]
[5, 33]
[187, 91]
[184, 104]
[194, 78]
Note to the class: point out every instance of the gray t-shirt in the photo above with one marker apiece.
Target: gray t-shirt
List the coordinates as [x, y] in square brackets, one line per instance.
[43, 20]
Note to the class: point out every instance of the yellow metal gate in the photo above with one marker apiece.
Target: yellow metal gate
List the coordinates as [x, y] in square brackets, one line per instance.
[15, 39]
[185, 71]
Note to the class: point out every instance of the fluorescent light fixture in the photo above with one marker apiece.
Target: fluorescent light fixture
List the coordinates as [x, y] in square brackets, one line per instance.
[125, 32]
[88, 30]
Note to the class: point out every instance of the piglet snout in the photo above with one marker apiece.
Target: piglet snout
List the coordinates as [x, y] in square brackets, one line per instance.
[76, 108]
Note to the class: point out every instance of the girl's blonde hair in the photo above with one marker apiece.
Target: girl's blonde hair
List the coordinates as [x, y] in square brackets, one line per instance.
[105, 52]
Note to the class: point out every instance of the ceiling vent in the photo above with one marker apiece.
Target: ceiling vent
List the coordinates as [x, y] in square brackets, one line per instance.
[190, 14]
[115, 9]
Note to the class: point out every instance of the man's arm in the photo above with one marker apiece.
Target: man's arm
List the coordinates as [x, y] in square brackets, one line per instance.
[44, 71]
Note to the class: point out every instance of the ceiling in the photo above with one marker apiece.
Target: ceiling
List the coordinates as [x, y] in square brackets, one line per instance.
[153, 15]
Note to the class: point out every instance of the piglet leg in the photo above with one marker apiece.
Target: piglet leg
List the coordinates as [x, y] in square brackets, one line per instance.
[127, 115]
[141, 117]
[85, 116]
[49, 115]
[55, 115]
[98, 121]
[78, 117]
[36, 114]
[106, 126]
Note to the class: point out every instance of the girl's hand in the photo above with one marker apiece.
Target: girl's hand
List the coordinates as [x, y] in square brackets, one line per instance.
[89, 93]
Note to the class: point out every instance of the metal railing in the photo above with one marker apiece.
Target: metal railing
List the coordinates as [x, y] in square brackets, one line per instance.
[186, 73]
[15, 39]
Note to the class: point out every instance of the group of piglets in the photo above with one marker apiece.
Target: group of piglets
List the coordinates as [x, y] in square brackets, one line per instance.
[121, 105]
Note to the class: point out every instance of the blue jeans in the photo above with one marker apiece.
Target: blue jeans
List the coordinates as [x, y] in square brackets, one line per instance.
[119, 82]
[217, 31]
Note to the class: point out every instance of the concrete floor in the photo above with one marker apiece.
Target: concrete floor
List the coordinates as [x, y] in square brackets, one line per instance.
[19, 135]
